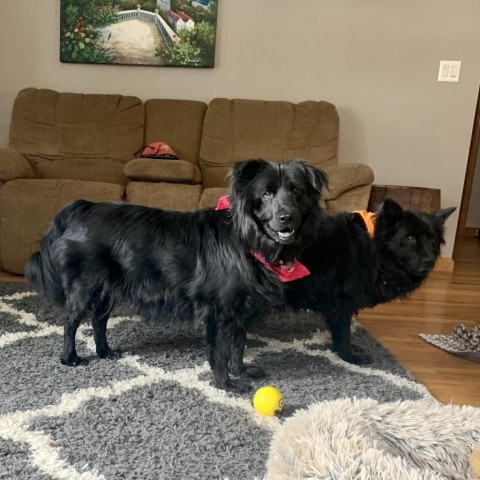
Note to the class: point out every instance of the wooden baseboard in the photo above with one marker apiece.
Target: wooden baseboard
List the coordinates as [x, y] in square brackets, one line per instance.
[444, 264]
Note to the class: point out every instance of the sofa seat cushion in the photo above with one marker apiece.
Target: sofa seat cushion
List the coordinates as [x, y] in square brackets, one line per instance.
[210, 196]
[168, 196]
[27, 207]
[160, 170]
[88, 169]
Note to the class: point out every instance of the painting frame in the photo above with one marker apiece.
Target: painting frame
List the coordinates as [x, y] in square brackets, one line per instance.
[166, 33]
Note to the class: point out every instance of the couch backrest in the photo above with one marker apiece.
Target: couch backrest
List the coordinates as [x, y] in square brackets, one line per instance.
[77, 136]
[240, 129]
[177, 122]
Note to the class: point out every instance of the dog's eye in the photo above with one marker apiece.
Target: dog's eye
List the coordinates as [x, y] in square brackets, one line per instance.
[268, 193]
[411, 238]
[295, 189]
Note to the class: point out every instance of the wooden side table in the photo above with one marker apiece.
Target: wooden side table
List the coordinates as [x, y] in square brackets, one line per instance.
[412, 198]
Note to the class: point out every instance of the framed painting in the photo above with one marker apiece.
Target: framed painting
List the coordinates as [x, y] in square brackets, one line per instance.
[174, 33]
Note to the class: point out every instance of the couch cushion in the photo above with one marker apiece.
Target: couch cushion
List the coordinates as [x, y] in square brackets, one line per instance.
[82, 130]
[210, 196]
[353, 199]
[344, 177]
[28, 206]
[177, 171]
[100, 170]
[236, 130]
[177, 122]
[164, 195]
[14, 165]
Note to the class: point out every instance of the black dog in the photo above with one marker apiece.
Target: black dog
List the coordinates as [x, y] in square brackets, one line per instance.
[202, 263]
[350, 270]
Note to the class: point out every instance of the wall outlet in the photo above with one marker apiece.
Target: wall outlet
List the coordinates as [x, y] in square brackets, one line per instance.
[449, 71]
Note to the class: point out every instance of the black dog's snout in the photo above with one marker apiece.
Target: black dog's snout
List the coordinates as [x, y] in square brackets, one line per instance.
[284, 218]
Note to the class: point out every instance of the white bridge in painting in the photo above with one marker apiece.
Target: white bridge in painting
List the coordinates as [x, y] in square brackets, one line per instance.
[168, 35]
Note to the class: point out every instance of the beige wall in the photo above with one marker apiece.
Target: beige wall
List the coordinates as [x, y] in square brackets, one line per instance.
[377, 60]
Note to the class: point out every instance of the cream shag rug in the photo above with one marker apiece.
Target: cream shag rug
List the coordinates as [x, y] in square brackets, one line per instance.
[353, 439]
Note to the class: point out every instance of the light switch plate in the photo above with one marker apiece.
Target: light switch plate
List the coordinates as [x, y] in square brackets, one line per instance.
[449, 70]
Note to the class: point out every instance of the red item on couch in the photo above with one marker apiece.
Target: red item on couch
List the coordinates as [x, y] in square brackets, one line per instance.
[159, 150]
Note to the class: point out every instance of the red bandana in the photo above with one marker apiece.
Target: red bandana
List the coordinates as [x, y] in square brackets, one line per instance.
[286, 272]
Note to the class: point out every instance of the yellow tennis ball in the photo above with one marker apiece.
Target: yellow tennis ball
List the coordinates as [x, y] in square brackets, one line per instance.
[268, 401]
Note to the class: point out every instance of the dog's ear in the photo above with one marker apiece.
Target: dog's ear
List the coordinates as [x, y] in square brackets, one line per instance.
[442, 215]
[391, 213]
[316, 177]
[245, 171]
[391, 208]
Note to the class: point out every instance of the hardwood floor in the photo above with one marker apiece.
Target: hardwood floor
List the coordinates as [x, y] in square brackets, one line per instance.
[444, 301]
[447, 299]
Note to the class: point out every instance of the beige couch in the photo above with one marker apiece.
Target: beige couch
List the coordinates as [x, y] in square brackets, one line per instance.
[65, 146]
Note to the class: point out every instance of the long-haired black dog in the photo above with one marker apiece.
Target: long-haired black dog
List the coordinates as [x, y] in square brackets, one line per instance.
[350, 270]
[198, 263]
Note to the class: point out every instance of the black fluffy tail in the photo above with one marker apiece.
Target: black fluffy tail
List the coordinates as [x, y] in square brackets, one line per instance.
[43, 276]
[42, 269]
[42, 273]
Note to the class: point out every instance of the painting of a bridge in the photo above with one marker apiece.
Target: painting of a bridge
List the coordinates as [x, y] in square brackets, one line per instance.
[179, 33]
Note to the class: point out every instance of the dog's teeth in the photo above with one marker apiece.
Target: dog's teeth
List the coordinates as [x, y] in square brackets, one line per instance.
[284, 235]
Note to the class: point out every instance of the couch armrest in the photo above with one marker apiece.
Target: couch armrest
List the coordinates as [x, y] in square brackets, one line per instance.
[345, 177]
[14, 165]
[159, 170]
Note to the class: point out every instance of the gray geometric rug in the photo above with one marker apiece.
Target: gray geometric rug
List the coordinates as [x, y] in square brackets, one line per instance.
[153, 415]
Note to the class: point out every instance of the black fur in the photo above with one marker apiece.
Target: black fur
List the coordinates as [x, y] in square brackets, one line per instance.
[192, 263]
[351, 271]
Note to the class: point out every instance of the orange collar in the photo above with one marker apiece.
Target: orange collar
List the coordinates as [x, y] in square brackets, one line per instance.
[369, 219]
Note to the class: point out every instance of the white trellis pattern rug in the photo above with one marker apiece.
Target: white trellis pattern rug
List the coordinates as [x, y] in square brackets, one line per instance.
[154, 414]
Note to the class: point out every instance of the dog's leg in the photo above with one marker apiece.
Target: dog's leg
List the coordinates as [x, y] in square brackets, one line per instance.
[99, 323]
[74, 316]
[221, 332]
[237, 366]
[339, 324]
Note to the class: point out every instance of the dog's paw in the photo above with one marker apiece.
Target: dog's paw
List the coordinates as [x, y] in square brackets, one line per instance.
[357, 348]
[234, 386]
[74, 361]
[237, 386]
[253, 372]
[108, 354]
[362, 359]
[356, 358]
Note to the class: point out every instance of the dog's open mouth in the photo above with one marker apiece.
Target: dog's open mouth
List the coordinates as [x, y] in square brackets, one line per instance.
[284, 236]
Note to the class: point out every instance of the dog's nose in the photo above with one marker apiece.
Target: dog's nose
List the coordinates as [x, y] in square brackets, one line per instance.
[284, 218]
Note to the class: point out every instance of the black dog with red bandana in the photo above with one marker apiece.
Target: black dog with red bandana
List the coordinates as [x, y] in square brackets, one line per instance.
[201, 264]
